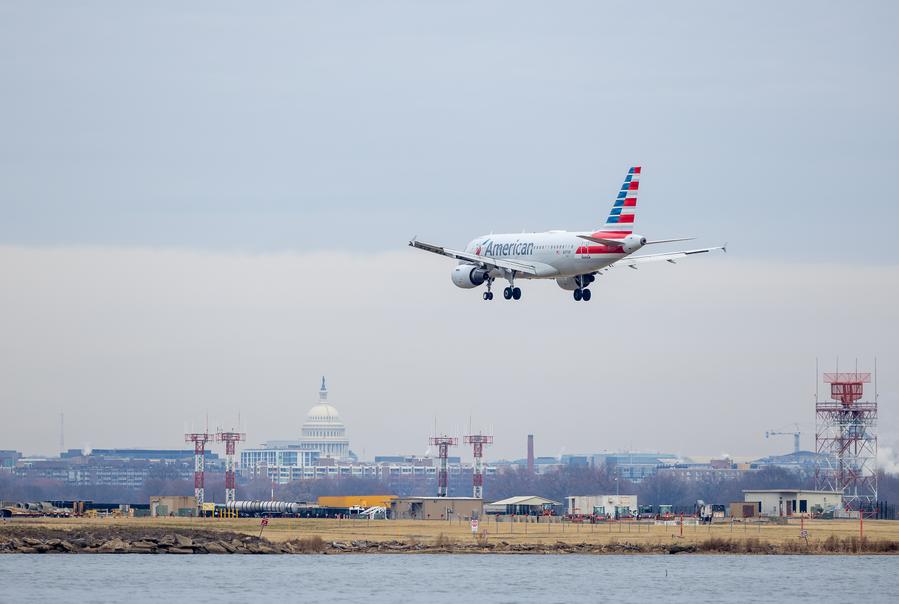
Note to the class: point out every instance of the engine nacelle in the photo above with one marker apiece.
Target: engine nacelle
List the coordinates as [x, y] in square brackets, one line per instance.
[468, 276]
[632, 243]
[573, 283]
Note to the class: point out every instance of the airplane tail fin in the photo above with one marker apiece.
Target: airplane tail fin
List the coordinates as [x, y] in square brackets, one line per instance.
[621, 219]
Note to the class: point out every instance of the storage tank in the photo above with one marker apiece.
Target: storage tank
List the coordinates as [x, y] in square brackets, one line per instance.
[264, 507]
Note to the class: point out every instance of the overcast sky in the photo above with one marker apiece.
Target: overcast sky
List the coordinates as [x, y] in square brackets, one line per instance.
[204, 207]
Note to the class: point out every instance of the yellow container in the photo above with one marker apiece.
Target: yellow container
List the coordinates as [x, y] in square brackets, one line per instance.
[349, 501]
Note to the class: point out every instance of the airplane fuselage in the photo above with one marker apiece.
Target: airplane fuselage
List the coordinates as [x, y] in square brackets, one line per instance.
[554, 254]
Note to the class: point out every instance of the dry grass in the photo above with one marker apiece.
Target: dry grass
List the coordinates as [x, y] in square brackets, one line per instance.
[824, 535]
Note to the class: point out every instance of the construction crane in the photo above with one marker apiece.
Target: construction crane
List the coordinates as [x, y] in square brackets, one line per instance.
[795, 436]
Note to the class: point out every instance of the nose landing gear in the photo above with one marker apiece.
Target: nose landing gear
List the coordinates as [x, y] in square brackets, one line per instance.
[488, 295]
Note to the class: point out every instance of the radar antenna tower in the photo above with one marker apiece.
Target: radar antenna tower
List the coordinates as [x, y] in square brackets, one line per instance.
[846, 441]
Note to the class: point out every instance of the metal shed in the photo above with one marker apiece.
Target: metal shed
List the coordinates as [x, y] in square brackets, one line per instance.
[522, 505]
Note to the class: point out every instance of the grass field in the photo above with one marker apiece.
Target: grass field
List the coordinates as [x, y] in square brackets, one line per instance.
[433, 531]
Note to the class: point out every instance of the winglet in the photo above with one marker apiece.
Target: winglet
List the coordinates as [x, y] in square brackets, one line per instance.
[724, 247]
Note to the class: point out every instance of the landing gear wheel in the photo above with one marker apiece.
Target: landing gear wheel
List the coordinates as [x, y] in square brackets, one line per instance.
[507, 293]
[516, 293]
[488, 296]
[577, 295]
[586, 295]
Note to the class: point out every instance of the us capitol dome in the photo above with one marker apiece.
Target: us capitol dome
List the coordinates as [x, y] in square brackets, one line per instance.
[323, 430]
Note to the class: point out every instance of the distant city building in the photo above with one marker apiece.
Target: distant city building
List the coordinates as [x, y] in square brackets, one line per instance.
[699, 472]
[137, 454]
[387, 467]
[99, 472]
[8, 460]
[324, 431]
[634, 467]
[537, 465]
[125, 468]
[801, 461]
[283, 456]
[322, 446]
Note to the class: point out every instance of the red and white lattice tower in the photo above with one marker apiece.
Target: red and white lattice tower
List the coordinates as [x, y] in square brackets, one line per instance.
[230, 439]
[443, 444]
[477, 471]
[846, 441]
[199, 439]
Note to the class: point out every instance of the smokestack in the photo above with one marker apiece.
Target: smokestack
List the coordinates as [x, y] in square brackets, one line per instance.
[530, 453]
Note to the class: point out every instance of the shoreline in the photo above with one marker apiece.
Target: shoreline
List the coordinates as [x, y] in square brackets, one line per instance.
[147, 540]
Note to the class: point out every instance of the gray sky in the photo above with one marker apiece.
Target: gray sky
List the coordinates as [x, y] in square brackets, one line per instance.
[204, 208]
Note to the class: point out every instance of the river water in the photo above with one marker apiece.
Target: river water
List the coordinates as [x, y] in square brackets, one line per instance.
[447, 578]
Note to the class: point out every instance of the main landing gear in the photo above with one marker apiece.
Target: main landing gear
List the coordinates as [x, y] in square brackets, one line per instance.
[512, 293]
[509, 293]
[582, 293]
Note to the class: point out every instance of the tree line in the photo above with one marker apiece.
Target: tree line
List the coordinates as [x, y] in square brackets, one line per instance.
[662, 488]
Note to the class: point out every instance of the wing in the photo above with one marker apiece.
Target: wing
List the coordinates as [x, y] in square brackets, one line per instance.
[672, 257]
[483, 261]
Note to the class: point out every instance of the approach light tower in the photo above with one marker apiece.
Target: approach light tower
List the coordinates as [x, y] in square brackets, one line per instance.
[230, 439]
[846, 441]
[477, 471]
[199, 439]
[443, 444]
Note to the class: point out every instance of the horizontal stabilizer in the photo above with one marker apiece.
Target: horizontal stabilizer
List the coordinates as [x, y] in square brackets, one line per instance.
[670, 240]
[633, 261]
[602, 241]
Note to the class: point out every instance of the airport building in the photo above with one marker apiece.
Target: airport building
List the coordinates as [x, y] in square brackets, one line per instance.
[614, 506]
[436, 508]
[789, 502]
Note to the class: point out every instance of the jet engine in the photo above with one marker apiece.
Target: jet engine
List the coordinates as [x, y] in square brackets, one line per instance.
[632, 243]
[571, 283]
[468, 276]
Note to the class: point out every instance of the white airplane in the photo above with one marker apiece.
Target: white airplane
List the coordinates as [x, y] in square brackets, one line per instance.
[572, 258]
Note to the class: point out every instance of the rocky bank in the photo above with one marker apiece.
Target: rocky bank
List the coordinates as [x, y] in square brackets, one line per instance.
[114, 540]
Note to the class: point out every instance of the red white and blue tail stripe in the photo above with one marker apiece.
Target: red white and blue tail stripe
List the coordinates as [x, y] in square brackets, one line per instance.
[620, 222]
